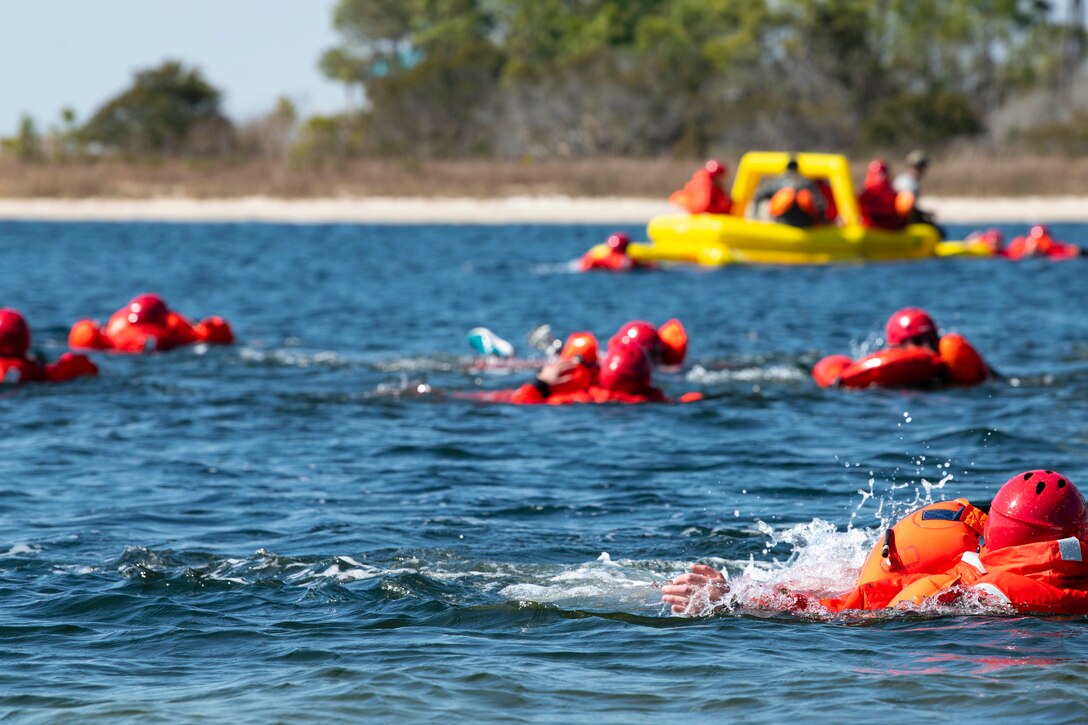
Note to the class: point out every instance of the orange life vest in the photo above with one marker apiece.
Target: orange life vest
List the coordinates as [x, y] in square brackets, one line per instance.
[929, 541]
[906, 367]
[1046, 577]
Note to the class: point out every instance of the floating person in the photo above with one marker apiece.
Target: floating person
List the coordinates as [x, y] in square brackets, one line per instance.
[18, 366]
[1040, 243]
[916, 357]
[1028, 552]
[703, 194]
[988, 242]
[666, 345]
[612, 256]
[581, 375]
[146, 324]
[623, 375]
[796, 200]
[880, 205]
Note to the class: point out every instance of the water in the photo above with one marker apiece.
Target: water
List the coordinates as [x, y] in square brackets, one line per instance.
[287, 530]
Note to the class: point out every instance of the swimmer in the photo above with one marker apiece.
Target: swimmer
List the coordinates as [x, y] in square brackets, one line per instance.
[146, 324]
[613, 256]
[1027, 550]
[1039, 242]
[916, 356]
[18, 366]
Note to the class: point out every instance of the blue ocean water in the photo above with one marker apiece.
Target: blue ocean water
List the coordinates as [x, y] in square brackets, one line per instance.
[308, 527]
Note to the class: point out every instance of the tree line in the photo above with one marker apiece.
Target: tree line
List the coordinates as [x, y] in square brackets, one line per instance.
[573, 78]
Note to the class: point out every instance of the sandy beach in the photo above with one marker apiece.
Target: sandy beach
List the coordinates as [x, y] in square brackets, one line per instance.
[507, 210]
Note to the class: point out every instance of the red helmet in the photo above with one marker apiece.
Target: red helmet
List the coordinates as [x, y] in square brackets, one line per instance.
[1035, 506]
[993, 239]
[911, 325]
[147, 310]
[582, 345]
[715, 168]
[1038, 231]
[618, 241]
[639, 333]
[878, 173]
[625, 368]
[14, 334]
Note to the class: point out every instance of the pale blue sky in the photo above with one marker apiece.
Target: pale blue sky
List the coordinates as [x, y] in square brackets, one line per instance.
[78, 53]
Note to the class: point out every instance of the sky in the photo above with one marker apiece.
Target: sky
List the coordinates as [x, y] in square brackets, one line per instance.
[79, 53]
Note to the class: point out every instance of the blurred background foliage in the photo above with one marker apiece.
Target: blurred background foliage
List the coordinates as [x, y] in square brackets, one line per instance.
[505, 79]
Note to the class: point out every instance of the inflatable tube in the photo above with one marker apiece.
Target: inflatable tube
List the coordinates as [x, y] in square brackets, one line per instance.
[963, 364]
[827, 371]
[897, 367]
[963, 248]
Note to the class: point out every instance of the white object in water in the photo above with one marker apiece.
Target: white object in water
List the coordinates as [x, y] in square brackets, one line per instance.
[486, 342]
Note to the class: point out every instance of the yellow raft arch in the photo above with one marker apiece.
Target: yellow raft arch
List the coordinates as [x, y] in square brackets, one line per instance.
[714, 239]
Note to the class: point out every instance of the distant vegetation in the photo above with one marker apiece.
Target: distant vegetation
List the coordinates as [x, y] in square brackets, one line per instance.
[507, 79]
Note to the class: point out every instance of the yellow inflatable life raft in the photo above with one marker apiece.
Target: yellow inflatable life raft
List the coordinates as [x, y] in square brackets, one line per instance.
[715, 239]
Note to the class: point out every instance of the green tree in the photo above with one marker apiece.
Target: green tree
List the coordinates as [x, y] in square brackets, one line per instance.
[168, 110]
[28, 144]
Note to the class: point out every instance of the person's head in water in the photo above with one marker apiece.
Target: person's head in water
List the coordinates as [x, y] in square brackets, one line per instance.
[147, 310]
[911, 326]
[792, 166]
[625, 368]
[1035, 506]
[618, 242]
[14, 334]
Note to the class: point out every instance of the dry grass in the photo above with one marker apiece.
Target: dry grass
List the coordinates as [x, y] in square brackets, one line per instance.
[960, 175]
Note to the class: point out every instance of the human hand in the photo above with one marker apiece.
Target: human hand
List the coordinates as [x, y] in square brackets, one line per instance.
[703, 582]
[558, 372]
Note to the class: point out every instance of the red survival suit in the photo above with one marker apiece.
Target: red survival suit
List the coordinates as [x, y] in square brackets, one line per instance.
[147, 324]
[702, 195]
[917, 358]
[1033, 554]
[623, 376]
[17, 367]
[880, 204]
[612, 257]
[1040, 243]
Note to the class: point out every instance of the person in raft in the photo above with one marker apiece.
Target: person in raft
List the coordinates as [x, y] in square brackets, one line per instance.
[916, 356]
[797, 200]
[1026, 551]
[703, 194]
[146, 324]
[18, 366]
[613, 256]
[880, 204]
[1040, 243]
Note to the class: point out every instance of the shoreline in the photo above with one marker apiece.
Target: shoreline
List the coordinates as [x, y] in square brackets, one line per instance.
[446, 210]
